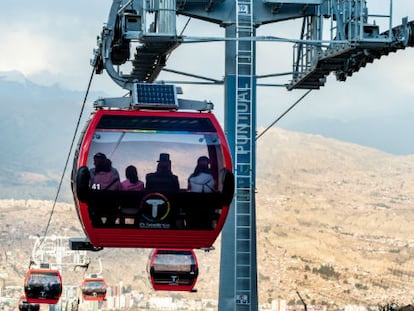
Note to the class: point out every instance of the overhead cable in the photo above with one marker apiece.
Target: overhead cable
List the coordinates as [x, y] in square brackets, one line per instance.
[68, 156]
[283, 114]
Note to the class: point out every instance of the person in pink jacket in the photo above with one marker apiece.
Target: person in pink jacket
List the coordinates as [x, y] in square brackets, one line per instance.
[103, 175]
[132, 182]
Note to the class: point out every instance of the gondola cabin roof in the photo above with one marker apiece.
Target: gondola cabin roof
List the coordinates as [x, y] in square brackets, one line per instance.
[164, 211]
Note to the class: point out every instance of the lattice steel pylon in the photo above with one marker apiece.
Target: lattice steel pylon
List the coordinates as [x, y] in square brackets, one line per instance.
[54, 250]
[238, 270]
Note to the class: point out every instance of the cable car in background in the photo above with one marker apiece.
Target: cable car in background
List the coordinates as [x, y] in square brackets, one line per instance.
[25, 306]
[164, 212]
[43, 286]
[173, 269]
[94, 289]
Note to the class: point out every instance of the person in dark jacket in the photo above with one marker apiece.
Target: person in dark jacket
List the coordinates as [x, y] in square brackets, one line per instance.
[163, 180]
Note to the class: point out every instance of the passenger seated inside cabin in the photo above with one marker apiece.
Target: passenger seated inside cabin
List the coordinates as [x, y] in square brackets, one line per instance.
[103, 175]
[132, 182]
[163, 179]
[201, 180]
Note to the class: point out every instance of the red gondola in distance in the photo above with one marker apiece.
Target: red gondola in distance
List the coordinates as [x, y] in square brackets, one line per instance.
[25, 306]
[163, 211]
[94, 289]
[43, 286]
[172, 269]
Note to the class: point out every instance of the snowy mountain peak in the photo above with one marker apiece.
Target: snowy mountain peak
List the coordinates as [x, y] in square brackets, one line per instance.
[13, 76]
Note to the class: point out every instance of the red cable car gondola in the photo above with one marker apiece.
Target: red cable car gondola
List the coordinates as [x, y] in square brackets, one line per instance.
[160, 215]
[173, 269]
[25, 306]
[94, 289]
[43, 286]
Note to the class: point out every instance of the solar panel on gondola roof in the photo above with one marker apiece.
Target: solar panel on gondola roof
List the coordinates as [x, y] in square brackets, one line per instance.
[160, 94]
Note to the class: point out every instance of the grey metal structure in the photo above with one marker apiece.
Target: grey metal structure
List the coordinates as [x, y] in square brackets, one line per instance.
[149, 28]
[53, 252]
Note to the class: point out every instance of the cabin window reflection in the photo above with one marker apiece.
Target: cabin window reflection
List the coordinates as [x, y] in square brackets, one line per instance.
[171, 262]
[142, 149]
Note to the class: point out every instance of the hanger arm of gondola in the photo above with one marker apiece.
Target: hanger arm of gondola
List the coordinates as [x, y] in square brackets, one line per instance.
[83, 244]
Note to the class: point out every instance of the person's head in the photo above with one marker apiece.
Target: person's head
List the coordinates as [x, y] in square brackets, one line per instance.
[164, 163]
[131, 173]
[203, 165]
[203, 162]
[99, 158]
[102, 165]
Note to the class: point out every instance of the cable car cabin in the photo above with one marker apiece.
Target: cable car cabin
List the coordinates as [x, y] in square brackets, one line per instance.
[173, 269]
[165, 208]
[93, 289]
[43, 286]
[25, 306]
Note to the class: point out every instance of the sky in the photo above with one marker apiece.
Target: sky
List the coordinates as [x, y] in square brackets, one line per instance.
[52, 42]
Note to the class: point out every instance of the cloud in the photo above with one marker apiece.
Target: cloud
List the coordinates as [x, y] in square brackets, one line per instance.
[25, 51]
[58, 37]
[51, 36]
[32, 178]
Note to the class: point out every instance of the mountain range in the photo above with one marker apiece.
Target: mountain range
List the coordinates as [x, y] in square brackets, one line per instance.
[38, 124]
[390, 134]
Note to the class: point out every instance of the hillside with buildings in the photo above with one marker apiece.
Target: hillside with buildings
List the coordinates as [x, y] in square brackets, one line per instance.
[333, 224]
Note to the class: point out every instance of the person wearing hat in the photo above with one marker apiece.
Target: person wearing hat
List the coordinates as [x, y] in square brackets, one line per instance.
[163, 180]
[201, 180]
